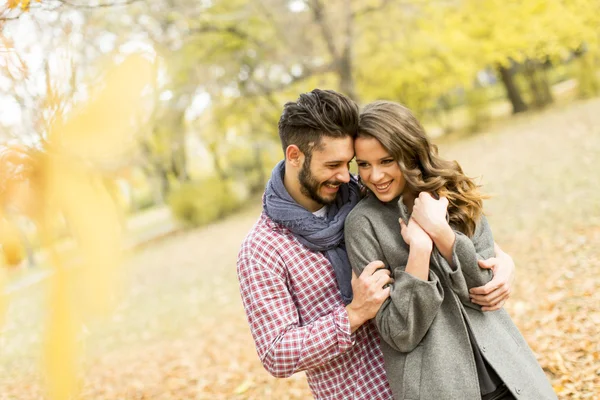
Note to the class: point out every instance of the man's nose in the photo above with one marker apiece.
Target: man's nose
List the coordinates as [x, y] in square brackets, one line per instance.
[343, 175]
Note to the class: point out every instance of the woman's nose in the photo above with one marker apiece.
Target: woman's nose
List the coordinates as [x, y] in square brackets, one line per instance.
[376, 174]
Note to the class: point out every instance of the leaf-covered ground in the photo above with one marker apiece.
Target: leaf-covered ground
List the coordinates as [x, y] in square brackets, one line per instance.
[180, 332]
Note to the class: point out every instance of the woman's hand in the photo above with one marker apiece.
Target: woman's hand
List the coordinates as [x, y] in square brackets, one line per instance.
[430, 214]
[421, 247]
[414, 235]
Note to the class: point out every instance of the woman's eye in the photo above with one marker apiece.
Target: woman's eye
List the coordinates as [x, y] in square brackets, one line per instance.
[361, 165]
[387, 161]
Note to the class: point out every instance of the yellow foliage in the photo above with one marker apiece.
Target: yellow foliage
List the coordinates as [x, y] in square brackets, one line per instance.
[203, 202]
[13, 251]
[3, 296]
[417, 52]
[61, 349]
[102, 129]
[24, 4]
[95, 132]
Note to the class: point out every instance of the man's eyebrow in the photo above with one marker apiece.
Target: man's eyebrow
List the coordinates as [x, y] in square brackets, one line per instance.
[337, 162]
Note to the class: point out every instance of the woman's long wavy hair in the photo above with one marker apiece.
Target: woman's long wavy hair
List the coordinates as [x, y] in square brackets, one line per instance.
[401, 134]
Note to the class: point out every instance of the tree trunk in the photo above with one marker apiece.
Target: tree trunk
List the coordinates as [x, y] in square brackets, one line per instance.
[346, 79]
[545, 84]
[512, 90]
[212, 148]
[165, 186]
[538, 84]
[345, 67]
[175, 124]
[179, 163]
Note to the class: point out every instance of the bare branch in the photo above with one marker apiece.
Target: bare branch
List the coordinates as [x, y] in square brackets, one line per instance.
[367, 10]
[99, 5]
[319, 16]
[281, 33]
[21, 12]
[345, 67]
[13, 18]
[230, 30]
[268, 90]
[5, 11]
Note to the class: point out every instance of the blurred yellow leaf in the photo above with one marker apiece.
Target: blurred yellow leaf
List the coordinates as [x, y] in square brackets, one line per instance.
[12, 247]
[103, 127]
[60, 350]
[97, 131]
[3, 296]
[244, 386]
[558, 388]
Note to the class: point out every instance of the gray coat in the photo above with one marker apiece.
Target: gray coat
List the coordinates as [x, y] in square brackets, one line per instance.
[423, 324]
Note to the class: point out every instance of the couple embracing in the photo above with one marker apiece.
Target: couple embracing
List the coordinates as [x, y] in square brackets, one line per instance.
[389, 286]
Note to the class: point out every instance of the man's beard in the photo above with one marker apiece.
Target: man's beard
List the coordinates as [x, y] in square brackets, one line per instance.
[309, 186]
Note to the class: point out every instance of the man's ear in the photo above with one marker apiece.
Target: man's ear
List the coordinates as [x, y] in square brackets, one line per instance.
[294, 155]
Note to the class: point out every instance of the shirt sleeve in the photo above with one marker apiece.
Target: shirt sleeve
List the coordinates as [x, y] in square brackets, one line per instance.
[405, 317]
[465, 273]
[284, 344]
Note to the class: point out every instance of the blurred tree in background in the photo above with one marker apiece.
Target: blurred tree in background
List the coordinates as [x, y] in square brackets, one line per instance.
[190, 121]
[223, 70]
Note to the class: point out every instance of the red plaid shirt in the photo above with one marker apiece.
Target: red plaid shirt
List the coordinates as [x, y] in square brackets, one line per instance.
[298, 319]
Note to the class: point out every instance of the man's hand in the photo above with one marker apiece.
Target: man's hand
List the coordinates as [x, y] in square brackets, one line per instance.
[369, 293]
[494, 294]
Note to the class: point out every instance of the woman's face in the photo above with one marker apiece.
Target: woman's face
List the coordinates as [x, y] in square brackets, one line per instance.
[378, 170]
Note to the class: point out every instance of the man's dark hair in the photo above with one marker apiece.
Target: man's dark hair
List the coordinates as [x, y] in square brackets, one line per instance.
[314, 115]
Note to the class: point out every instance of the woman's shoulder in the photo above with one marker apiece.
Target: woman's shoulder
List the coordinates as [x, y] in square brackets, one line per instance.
[365, 213]
[364, 207]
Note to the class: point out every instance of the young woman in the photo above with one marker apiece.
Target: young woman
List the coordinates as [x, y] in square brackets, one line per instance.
[423, 218]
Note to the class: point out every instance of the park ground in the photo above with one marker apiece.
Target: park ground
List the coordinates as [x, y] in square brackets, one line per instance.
[179, 330]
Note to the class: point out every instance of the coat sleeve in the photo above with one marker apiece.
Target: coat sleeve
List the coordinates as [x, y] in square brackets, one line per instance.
[405, 317]
[465, 273]
[285, 344]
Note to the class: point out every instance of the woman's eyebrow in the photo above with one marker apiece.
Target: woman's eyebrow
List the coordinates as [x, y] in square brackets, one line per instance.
[381, 159]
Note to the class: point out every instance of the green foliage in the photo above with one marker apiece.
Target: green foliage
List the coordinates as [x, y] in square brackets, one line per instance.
[142, 200]
[250, 57]
[199, 203]
[252, 163]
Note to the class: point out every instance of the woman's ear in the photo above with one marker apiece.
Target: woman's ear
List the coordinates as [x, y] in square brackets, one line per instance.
[294, 155]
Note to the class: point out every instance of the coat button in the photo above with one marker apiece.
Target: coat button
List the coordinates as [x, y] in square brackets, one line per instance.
[518, 390]
[483, 348]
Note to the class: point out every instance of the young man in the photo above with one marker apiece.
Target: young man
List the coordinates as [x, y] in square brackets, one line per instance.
[306, 310]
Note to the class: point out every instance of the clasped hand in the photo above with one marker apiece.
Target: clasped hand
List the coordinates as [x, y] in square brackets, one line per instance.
[430, 213]
[428, 223]
[428, 219]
